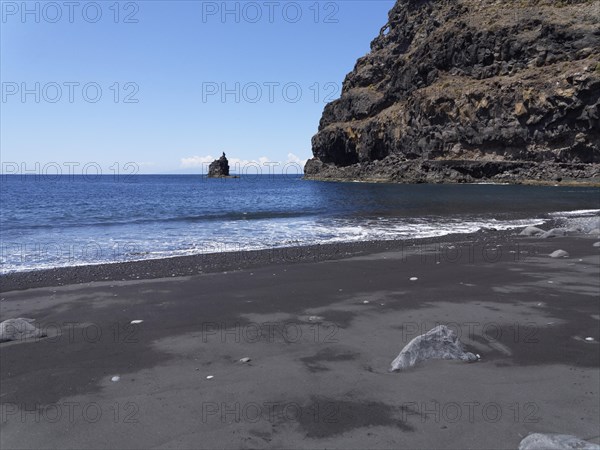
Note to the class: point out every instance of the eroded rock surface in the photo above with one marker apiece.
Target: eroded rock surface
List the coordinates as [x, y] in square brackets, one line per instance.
[219, 168]
[19, 329]
[438, 343]
[468, 91]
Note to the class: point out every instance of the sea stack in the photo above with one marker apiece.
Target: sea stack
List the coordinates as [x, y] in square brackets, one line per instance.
[470, 91]
[219, 168]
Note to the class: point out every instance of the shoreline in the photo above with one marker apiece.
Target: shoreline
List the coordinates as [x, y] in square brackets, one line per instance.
[394, 169]
[215, 262]
[179, 266]
[595, 183]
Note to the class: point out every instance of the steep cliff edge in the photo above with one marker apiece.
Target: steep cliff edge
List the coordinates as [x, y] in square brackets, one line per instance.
[467, 91]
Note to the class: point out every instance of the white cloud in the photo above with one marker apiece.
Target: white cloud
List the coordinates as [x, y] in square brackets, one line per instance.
[196, 161]
[263, 163]
[237, 162]
[291, 158]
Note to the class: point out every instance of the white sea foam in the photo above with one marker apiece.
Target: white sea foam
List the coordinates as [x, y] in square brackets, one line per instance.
[576, 213]
[581, 219]
[233, 236]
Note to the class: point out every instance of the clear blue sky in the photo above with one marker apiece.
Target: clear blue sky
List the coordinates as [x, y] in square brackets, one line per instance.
[176, 56]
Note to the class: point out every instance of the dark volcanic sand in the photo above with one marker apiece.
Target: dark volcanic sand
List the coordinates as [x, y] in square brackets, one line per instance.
[220, 262]
[319, 354]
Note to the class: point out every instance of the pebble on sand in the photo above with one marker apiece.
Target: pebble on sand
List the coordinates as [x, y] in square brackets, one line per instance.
[245, 360]
[210, 377]
[559, 254]
[115, 378]
[135, 322]
[413, 278]
[589, 339]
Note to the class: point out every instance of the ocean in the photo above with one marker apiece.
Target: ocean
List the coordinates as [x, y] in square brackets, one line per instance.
[57, 221]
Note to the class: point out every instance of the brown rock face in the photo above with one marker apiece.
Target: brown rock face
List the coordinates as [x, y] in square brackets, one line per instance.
[470, 90]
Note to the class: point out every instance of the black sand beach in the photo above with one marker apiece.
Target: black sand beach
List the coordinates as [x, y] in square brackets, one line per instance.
[219, 262]
[321, 329]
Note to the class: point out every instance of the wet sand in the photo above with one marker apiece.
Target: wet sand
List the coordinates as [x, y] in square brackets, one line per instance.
[321, 333]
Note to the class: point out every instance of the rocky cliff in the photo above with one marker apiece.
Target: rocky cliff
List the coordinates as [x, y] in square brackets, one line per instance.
[468, 91]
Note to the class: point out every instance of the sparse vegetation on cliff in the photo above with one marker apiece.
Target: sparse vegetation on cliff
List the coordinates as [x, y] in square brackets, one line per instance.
[468, 90]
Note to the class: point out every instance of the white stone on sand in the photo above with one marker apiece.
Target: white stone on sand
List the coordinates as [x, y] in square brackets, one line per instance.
[531, 231]
[438, 343]
[539, 441]
[559, 254]
[558, 232]
[19, 329]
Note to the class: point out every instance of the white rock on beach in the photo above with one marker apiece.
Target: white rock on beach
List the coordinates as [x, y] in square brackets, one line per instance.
[559, 254]
[439, 343]
[19, 329]
[135, 322]
[531, 231]
[413, 278]
[539, 441]
[558, 232]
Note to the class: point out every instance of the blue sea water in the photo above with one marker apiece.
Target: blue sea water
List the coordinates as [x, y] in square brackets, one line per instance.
[52, 221]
